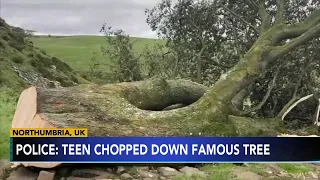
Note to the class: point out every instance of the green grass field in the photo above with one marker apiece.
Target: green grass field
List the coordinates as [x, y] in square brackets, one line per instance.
[77, 51]
[8, 100]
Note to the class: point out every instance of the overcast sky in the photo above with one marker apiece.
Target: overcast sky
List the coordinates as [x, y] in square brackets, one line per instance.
[75, 17]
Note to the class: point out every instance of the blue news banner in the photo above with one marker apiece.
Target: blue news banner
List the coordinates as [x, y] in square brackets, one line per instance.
[166, 149]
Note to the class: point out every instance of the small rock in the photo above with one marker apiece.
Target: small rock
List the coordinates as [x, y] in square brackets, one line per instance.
[246, 175]
[53, 67]
[45, 175]
[144, 168]
[146, 174]
[90, 173]
[126, 176]
[154, 171]
[275, 169]
[192, 171]
[23, 173]
[162, 178]
[147, 179]
[64, 171]
[168, 171]
[120, 169]
[282, 174]
[269, 172]
[313, 175]
[85, 173]
[15, 165]
[296, 176]
[109, 170]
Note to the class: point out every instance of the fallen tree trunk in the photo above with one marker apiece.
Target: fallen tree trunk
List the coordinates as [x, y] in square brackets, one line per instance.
[119, 110]
[101, 109]
[89, 105]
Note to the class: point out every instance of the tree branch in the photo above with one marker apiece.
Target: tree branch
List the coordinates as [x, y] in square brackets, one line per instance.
[197, 57]
[265, 17]
[265, 98]
[287, 107]
[232, 26]
[237, 101]
[236, 40]
[218, 64]
[316, 121]
[241, 19]
[316, 114]
[294, 30]
[309, 78]
[295, 104]
[292, 100]
[280, 51]
[280, 11]
[310, 88]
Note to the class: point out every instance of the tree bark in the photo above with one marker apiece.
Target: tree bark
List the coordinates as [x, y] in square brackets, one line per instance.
[117, 110]
[120, 109]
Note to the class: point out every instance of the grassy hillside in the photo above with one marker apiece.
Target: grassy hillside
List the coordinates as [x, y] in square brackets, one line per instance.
[23, 65]
[77, 51]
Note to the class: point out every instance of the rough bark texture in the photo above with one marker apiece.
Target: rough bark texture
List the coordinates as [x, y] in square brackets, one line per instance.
[118, 110]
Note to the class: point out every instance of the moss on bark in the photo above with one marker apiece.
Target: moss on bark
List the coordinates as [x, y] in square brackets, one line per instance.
[109, 111]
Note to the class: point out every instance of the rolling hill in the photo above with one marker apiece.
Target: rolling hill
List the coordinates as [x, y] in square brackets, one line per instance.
[77, 51]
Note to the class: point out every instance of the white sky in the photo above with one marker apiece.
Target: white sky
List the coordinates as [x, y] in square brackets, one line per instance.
[78, 17]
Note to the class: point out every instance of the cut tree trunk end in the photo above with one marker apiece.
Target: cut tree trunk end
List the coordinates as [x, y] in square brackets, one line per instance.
[120, 110]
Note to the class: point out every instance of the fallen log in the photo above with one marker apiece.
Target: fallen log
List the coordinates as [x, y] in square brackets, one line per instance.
[101, 108]
[89, 105]
[133, 109]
